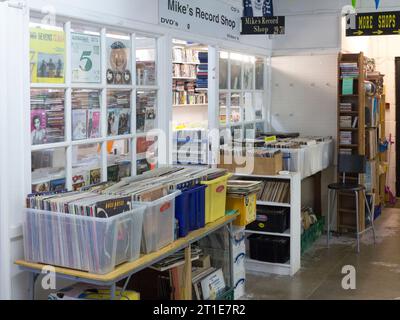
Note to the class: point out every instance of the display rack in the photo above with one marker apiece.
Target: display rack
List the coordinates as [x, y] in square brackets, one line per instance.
[361, 136]
[294, 233]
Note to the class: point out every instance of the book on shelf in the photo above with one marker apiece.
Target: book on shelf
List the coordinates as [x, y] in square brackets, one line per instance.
[346, 121]
[348, 86]
[349, 70]
[346, 137]
[355, 123]
[346, 107]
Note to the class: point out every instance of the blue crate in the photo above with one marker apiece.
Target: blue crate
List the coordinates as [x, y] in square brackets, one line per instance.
[190, 210]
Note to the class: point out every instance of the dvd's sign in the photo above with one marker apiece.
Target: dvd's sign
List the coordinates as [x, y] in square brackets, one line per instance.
[204, 17]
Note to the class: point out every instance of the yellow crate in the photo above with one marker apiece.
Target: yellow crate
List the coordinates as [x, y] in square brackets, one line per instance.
[246, 206]
[216, 198]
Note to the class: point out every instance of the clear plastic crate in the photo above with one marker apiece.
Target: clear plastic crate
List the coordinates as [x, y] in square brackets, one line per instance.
[96, 245]
[159, 223]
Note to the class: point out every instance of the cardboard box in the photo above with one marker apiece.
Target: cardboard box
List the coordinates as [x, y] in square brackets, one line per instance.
[252, 165]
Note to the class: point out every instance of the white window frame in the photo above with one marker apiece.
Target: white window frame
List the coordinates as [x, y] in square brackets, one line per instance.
[68, 86]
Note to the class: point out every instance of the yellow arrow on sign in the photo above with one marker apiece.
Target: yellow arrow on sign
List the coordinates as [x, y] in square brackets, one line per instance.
[397, 31]
[358, 33]
[378, 32]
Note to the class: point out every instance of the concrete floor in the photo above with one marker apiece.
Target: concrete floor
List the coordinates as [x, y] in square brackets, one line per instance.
[320, 278]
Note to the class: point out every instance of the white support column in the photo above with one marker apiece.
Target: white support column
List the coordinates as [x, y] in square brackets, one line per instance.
[14, 144]
[68, 106]
[132, 144]
[104, 104]
[164, 99]
[213, 104]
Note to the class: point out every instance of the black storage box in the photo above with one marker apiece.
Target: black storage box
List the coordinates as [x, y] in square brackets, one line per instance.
[269, 248]
[271, 219]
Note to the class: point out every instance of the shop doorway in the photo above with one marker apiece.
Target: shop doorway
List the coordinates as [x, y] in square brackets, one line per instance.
[397, 74]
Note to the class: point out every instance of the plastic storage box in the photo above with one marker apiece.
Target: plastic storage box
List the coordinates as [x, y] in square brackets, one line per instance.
[246, 206]
[271, 219]
[159, 223]
[216, 198]
[269, 248]
[90, 244]
[190, 210]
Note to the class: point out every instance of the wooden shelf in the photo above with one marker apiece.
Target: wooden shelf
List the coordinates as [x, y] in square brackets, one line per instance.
[348, 129]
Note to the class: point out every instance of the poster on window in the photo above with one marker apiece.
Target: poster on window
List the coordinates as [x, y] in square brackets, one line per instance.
[85, 58]
[119, 61]
[47, 56]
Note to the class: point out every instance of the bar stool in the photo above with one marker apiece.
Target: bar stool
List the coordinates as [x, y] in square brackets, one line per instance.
[350, 164]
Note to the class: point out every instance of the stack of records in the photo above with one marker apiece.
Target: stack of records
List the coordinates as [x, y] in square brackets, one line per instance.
[349, 70]
[238, 188]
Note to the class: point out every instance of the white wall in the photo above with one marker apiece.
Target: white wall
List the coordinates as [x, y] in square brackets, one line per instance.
[140, 14]
[304, 90]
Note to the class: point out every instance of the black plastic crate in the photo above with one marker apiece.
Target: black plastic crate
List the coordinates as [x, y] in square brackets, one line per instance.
[271, 219]
[269, 248]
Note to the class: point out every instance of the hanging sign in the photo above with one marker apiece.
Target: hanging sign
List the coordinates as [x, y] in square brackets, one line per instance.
[204, 17]
[373, 24]
[263, 25]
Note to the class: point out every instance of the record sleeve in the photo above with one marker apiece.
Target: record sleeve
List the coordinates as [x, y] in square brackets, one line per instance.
[47, 56]
[86, 61]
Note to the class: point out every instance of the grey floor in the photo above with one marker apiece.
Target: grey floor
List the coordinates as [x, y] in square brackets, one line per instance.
[320, 278]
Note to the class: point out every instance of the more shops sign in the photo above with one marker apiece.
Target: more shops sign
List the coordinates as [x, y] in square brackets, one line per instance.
[373, 24]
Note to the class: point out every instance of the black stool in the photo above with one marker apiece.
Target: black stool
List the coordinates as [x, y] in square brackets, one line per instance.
[353, 164]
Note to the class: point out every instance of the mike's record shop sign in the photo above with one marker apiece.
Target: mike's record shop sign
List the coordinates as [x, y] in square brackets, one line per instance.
[204, 17]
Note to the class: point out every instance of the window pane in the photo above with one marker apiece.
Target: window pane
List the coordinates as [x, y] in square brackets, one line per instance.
[236, 73]
[47, 54]
[119, 163]
[86, 165]
[118, 113]
[237, 133]
[249, 131]
[86, 113]
[146, 154]
[260, 74]
[119, 63]
[260, 128]
[47, 116]
[223, 70]
[248, 74]
[236, 113]
[249, 113]
[259, 105]
[146, 111]
[146, 74]
[223, 103]
[48, 170]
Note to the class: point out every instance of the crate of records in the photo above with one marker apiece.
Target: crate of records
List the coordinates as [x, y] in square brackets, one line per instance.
[82, 230]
